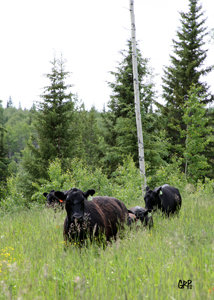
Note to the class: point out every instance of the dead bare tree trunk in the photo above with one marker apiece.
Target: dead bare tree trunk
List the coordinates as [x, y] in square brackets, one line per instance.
[137, 99]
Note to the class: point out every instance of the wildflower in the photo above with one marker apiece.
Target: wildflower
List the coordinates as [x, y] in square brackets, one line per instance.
[77, 279]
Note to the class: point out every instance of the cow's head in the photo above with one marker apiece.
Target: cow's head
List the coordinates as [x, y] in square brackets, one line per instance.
[142, 214]
[151, 198]
[75, 203]
[51, 198]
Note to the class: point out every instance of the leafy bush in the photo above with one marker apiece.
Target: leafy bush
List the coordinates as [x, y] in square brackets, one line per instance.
[14, 199]
[77, 175]
[127, 183]
[170, 174]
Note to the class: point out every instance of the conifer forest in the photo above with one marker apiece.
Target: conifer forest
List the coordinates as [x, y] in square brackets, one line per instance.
[60, 128]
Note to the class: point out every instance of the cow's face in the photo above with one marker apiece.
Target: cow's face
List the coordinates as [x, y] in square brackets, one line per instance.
[143, 214]
[51, 199]
[75, 206]
[75, 203]
[151, 199]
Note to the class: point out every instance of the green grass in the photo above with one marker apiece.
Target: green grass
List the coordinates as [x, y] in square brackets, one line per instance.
[143, 265]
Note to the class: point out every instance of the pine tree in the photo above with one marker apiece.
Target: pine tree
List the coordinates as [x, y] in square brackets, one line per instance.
[186, 69]
[4, 160]
[54, 124]
[120, 133]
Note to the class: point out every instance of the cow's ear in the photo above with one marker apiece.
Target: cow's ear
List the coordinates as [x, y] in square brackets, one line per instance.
[89, 192]
[147, 212]
[60, 195]
[159, 191]
[45, 194]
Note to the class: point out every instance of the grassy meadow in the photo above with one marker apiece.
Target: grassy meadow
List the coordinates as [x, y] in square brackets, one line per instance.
[143, 265]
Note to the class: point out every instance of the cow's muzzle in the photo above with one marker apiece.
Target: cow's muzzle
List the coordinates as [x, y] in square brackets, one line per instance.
[78, 217]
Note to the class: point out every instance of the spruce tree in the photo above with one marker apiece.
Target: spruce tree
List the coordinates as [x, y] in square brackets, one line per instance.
[9, 102]
[87, 146]
[120, 133]
[91, 137]
[54, 124]
[55, 115]
[187, 68]
[4, 160]
[197, 136]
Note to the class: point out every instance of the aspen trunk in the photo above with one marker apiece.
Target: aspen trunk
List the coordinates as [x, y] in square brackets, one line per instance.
[136, 99]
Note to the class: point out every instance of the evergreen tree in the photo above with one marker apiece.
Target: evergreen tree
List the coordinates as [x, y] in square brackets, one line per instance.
[9, 102]
[54, 124]
[18, 130]
[120, 133]
[4, 161]
[91, 138]
[187, 68]
[211, 33]
[87, 146]
[197, 136]
[209, 149]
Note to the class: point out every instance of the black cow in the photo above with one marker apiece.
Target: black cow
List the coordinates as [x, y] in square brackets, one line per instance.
[53, 200]
[101, 215]
[142, 214]
[165, 197]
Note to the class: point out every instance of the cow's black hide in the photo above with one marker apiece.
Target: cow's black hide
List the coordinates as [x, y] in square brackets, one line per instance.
[142, 214]
[101, 215]
[165, 197]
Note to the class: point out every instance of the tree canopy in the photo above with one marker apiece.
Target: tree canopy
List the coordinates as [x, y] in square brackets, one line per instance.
[187, 68]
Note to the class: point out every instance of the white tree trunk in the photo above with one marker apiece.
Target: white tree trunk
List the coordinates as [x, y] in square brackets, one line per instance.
[136, 99]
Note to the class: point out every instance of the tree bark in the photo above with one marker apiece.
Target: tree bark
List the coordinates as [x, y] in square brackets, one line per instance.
[137, 99]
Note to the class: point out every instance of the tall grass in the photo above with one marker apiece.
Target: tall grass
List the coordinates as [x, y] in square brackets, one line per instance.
[143, 265]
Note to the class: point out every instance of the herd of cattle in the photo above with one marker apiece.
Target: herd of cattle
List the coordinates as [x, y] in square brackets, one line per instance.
[105, 215]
